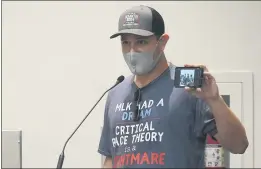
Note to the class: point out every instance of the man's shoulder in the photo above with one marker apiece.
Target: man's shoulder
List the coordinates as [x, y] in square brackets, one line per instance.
[172, 67]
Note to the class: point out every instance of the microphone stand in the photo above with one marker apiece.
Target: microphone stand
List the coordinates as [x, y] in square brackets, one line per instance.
[61, 157]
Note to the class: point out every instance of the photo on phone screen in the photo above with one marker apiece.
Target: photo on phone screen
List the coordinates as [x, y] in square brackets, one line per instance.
[187, 77]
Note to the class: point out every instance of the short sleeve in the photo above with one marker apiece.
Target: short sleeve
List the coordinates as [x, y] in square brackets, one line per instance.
[105, 139]
[204, 120]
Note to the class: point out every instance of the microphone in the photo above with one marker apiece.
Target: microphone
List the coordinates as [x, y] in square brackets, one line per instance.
[61, 157]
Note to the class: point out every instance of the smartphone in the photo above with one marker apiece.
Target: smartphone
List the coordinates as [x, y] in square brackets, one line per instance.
[189, 77]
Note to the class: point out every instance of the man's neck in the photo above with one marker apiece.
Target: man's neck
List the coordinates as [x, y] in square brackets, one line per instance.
[142, 81]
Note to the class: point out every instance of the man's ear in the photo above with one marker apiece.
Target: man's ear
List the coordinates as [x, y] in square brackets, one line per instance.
[165, 38]
[163, 41]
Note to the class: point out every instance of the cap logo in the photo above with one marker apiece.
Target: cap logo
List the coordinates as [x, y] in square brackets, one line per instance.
[131, 19]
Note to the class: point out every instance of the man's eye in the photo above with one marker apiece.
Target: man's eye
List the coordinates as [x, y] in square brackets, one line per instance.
[142, 42]
[124, 42]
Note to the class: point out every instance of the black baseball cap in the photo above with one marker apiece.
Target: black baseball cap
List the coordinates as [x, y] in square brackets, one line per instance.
[140, 20]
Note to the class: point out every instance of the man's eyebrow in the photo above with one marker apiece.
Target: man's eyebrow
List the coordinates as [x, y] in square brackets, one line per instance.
[138, 38]
[143, 37]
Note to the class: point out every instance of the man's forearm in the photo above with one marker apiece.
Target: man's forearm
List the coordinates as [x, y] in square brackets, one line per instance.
[231, 133]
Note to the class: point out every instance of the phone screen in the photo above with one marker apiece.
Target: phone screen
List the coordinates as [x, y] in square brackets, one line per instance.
[188, 76]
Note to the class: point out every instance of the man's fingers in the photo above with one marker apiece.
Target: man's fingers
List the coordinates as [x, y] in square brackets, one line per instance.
[189, 65]
[202, 66]
[198, 89]
[208, 75]
[193, 91]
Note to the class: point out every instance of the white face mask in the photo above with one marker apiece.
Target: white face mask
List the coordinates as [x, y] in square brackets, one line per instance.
[141, 63]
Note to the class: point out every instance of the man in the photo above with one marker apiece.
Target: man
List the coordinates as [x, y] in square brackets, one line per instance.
[148, 123]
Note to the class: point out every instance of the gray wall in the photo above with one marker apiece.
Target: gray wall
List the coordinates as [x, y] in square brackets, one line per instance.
[58, 59]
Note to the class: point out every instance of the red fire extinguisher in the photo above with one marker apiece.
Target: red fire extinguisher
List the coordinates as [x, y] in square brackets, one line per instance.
[214, 154]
